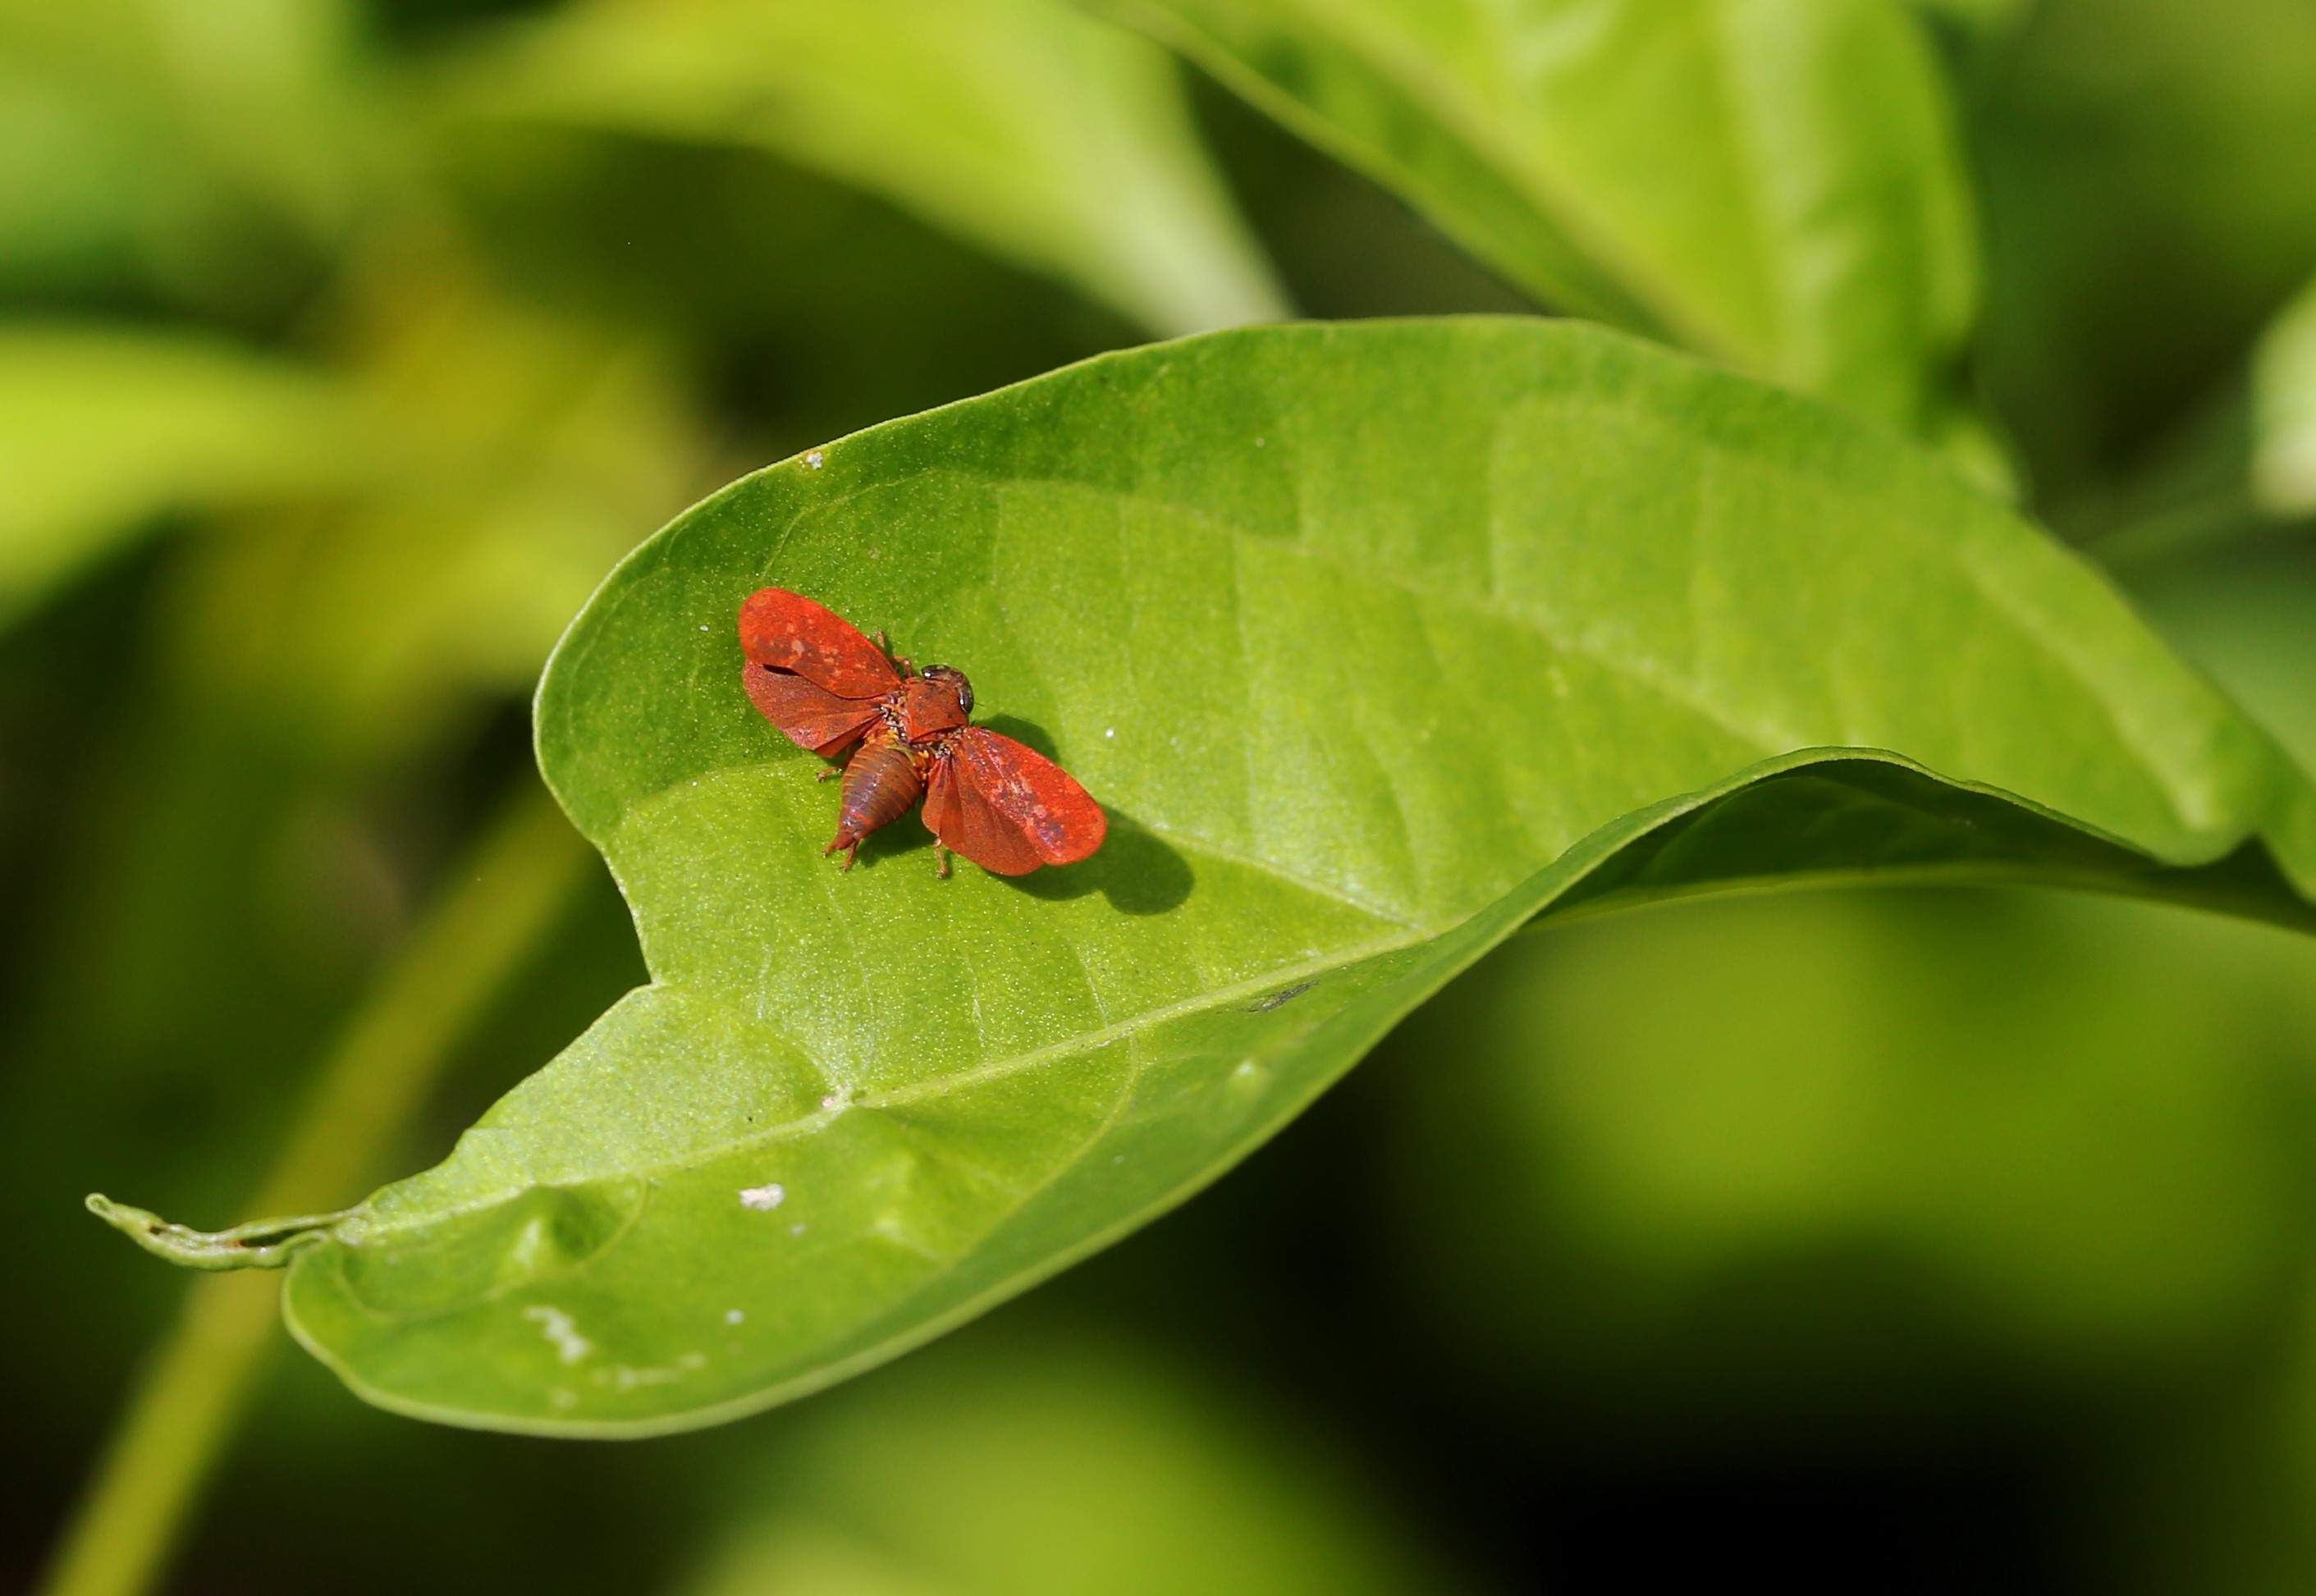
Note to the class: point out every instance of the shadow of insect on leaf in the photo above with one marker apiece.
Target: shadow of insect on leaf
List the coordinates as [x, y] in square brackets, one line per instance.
[905, 835]
[1027, 733]
[1137, 870]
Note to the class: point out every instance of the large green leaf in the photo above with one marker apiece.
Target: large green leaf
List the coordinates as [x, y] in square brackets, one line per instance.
[1018, 125]
[103, 428]
[1378, 640]
[1774, 183]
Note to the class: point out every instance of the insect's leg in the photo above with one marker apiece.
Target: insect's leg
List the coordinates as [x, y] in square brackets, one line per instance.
[940, 860]
[830, 775]
[851, 854]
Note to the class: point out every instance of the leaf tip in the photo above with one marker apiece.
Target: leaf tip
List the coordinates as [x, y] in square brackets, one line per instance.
[266, 1243]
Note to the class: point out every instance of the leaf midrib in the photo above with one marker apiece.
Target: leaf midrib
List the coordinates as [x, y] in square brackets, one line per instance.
[1212, 999]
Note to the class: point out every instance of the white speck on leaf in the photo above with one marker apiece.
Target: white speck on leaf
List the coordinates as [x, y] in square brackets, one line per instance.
[835, 1100]
[797, 1229]
[628, 1379]
[562, 1330]
[813, 457]
[1110, 731]
[764, 1198]
[733, 1315]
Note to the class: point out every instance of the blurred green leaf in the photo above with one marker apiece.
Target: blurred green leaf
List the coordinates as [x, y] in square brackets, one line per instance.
[103, 429]
[1377, 640]
[2284, 403]
[534, 451]
[1773, 183]
[2149, 170]
[172, 138]
[1985, 15]
[2246, 613]
[1049, 139]
[1055, 1467]
[1790, 1155]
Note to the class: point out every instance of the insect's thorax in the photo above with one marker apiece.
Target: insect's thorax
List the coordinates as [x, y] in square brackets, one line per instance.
[929, 705]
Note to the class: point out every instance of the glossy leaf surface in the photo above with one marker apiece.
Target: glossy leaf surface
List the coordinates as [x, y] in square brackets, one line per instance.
[1052, 140]
[1773, 183]
[1376, 640]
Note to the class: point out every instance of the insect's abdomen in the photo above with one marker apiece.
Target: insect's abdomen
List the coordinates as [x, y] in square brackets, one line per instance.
[880, 783]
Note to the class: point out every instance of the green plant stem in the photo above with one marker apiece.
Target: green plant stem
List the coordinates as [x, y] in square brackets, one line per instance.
[190, 1396]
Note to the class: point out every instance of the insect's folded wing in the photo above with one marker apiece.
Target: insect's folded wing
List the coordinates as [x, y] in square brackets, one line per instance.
[1035, 796]
[963, 819]
[811, 716]
[790, 632]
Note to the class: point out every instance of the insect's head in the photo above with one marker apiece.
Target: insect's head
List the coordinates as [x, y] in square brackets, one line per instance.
[951, 677]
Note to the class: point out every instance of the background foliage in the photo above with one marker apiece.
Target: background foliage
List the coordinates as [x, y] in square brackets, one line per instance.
[1963, 1238]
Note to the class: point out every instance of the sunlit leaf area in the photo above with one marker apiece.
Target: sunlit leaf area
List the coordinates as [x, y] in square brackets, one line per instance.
[1694, 623]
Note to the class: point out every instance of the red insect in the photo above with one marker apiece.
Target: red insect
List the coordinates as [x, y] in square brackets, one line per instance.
[1006, 807]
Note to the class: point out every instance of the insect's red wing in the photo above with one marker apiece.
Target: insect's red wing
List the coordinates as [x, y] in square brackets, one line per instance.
[811, 716]
[1010, 809]
[790, 632]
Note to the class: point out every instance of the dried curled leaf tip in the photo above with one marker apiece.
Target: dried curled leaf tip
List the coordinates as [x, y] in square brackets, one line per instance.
[263, 1243]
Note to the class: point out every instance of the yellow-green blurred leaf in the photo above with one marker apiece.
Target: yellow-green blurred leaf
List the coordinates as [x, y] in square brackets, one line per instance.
[103, 429]
[161, 131]
[2283, 401]
[1049, 139]
[533, 452]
